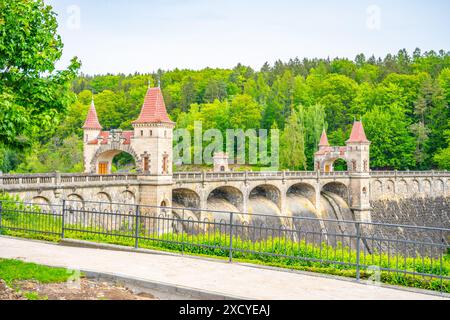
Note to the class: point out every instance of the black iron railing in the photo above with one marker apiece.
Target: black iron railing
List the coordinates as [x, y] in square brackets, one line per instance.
[401, 254]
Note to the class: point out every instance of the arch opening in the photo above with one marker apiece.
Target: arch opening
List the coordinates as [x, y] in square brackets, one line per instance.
[186, 198]
[108, 159]
[340, 165]
[226, 199]
[337, 188]
[267, 191]
[303, 189]
[123, 162]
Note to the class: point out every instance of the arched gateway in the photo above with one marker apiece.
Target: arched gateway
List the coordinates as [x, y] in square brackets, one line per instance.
[356, 155]
[150, 143]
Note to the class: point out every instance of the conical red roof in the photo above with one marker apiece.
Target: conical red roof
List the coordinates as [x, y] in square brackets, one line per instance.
[358, 135]
[92, 119]
[153, 110]
[324, 140]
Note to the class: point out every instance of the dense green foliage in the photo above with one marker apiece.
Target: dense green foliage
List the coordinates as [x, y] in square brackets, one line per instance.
[33, 96]
[402, 99]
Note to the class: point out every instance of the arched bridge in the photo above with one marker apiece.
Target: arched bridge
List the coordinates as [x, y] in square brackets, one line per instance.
[193, 189]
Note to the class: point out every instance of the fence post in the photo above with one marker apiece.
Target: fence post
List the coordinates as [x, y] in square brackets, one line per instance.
[231, 238]
[1, 212]
[136, 229]
[182, 234]
[63, 218]
[358, 250]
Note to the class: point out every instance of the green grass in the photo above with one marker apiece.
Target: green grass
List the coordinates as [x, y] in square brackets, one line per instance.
[15, 270]
[34, 296]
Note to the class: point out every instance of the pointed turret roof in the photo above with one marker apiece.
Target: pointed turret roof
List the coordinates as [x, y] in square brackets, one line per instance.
[358, 135]
[92, 119]
[324, 140]
[153, 110]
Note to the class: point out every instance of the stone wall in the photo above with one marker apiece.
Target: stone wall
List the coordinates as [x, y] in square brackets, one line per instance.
[420, 211]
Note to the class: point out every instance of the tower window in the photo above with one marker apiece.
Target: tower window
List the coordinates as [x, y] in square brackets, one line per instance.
[142, 133]
[151, 133]
[165, 134]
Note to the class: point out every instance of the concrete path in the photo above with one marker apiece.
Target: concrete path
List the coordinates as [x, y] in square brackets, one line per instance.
[213, 276]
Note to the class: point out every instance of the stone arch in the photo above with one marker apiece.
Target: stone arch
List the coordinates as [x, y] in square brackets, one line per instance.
[75, 200]
[304, 189]
[415, 187]
[110, 151]
[402, 187]
[103, 197]
[439, 187]
[426, 186]
[42, 202]
[128, 197]
[338, 188]
[268, 191]
[390, 187]
[377, 188]
[186, 197]
[229, 193]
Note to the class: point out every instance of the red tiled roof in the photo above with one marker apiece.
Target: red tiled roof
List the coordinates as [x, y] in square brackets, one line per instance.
[324, 140]
[92, 119]
[358, 134]
[153, 110]
[105, 134]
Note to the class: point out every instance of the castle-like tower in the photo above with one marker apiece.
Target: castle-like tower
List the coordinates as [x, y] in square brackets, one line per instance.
[356, 152]
[150, 144]
[357, 155]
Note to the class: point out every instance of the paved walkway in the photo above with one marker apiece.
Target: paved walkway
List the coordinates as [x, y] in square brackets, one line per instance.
[223, 278]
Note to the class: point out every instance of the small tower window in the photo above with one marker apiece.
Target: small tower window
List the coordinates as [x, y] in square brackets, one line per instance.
[142, 133]
[165, 166]
[151, 133]
[165, 134]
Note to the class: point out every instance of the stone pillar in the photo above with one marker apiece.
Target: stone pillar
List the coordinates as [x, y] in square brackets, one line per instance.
[318, 189]
[359, 191]
[154, 192]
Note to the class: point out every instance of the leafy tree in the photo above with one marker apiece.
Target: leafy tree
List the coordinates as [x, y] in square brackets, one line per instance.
[393, 146]
[244, 113]
[292, 144]
[47, 158]
[33, 96]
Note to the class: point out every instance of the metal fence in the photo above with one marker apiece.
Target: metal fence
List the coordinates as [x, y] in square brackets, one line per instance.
[403, 254]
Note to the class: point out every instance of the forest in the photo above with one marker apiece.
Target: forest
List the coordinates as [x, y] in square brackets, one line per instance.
[403, 100]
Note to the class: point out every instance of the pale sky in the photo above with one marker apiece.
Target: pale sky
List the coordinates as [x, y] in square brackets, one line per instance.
[137, 35]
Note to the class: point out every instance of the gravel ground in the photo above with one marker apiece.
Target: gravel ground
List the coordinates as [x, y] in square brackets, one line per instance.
[83, 290]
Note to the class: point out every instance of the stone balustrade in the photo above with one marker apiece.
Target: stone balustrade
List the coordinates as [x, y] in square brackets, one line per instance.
[7, 180]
